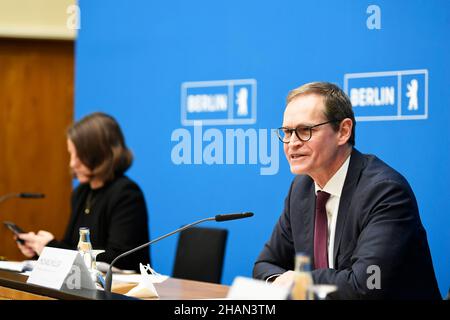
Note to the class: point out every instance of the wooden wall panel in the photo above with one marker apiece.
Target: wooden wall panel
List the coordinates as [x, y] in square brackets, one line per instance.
[36, 107]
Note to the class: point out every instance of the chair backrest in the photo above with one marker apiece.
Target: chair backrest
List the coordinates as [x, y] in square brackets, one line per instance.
[200, 254]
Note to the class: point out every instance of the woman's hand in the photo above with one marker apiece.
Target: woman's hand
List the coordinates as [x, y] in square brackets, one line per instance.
[26, 250]
[34, 243]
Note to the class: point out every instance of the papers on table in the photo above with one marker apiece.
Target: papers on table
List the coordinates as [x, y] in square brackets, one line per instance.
[244, 288]
[18, 266]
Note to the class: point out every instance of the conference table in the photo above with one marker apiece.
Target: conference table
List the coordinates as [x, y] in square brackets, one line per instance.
[13, 286]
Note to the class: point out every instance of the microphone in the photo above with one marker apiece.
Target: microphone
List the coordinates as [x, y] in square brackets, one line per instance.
[217, 218]
[24, 195]
[232, 216]
[31, 195]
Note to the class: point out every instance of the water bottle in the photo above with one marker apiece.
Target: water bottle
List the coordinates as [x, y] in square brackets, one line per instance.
[89, 257]
[85, 247]
[302, 279]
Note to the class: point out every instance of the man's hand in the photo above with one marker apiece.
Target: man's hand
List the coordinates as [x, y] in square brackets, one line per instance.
[285, 280]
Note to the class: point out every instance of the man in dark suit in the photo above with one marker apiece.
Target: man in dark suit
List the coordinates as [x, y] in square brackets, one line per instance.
[363, 233]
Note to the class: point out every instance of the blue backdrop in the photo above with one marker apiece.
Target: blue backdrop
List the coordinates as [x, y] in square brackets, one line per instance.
[198, 85]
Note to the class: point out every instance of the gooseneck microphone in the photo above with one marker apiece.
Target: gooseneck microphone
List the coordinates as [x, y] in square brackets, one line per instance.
[217, 218]
[232, 216]
[24, 195]
[29, 195]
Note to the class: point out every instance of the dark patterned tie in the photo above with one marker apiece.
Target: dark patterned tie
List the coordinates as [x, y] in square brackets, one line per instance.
[321, 231]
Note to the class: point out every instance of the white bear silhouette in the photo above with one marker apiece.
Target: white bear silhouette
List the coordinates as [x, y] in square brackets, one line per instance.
[242, 97]
[413, 87]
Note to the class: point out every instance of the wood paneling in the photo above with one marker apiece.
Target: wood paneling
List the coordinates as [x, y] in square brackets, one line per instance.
[36, 107]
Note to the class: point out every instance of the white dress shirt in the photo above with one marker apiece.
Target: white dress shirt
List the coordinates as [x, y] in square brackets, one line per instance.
[334, 187]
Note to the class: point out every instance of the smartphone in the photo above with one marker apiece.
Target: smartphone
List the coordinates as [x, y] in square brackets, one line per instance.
[15, 229]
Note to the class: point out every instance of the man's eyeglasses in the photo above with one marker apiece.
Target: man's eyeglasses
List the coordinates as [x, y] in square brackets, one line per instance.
[303, 133]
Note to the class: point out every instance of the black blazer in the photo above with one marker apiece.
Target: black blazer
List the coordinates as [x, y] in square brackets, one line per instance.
[117, 222]
[378, 224]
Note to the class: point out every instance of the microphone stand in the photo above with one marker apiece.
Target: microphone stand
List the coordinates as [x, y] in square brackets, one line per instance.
[108, 277]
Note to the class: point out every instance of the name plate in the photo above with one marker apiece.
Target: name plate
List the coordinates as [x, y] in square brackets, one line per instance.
[244, 288]
[58, 268]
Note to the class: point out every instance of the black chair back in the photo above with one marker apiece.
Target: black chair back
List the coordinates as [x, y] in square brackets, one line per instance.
[200, 254]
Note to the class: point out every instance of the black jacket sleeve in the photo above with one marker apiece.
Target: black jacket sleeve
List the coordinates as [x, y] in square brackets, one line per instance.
[278, 253]
[126, 226]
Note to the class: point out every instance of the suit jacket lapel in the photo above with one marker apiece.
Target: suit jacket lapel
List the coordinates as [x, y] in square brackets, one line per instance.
[305, 209]
[351, 181]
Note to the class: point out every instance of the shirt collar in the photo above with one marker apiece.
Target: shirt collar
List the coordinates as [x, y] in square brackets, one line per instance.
[335, 185]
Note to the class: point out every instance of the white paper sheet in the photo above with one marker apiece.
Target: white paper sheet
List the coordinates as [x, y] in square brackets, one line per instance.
[18, 266]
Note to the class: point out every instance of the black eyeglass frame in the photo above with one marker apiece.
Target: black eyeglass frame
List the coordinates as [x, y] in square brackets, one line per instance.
[281, 131]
